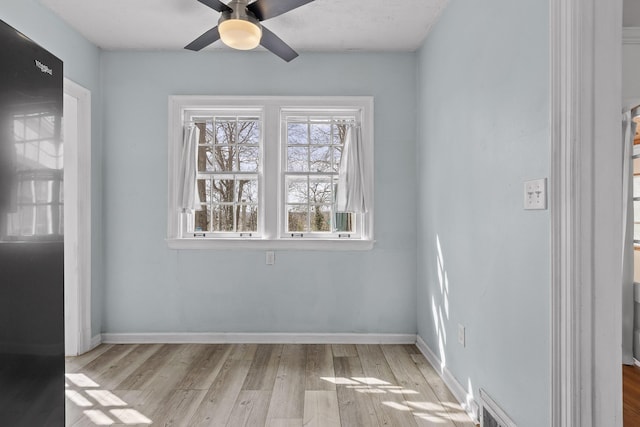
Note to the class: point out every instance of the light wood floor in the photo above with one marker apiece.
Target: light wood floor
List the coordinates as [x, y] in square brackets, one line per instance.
[258, 385]
[631, 395]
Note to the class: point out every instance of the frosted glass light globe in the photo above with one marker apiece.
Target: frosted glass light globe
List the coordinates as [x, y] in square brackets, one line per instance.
[240, 34]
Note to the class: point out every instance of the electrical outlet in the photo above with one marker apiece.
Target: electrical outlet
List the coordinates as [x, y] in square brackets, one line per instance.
[270, 258]
[535, 194]
[461, 335]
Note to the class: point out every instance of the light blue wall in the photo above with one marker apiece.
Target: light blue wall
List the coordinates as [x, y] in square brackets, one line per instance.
[150, 288]
[480, 87]
[483, 129]
[82, 65]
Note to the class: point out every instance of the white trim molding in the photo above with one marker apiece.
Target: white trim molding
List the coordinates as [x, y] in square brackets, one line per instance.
[96, 340]
[465, 399]
[254, 338]
[631, 35]
[565, 373]
[586, 229]
[272, 110]
[77, 189]
[279, 244]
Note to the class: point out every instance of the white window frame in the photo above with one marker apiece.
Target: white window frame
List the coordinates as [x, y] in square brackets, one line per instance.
[355, 114]
[192, 116]
[270, 177]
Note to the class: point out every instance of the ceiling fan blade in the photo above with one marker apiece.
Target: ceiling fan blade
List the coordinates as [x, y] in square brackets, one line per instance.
[277, 46]
[216, 5]
[204, 40]
[266, 9]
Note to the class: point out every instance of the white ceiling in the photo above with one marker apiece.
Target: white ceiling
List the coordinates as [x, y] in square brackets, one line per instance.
[323, 25]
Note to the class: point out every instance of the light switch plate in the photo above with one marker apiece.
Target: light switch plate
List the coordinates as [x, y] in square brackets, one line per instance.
[535, 194]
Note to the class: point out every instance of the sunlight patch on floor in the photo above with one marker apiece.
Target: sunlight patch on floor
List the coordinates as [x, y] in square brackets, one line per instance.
[130, 416]
[81, 380]
[105, 407]
[78, 399]
[429, 417]
[98, 417]
[433, 412]
[396, 405]
[106, 398]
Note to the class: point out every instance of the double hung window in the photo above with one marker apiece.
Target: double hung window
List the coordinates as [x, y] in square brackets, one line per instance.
[313, 144]
[270, 172]
[227, 174]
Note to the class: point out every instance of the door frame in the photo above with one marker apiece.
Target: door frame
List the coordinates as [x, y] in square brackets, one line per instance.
[77, 221]
[586, 212]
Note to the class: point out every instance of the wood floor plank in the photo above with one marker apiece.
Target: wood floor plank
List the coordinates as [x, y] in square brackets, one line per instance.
[344, 350]
[264, 368]
[425, 405]
[631, 395]
[319, 366]
[284, 422]
[390, 408]
[355, 406]
[74, 363]
[163, 384]
[101, 363]
[120, 369]
[143, 374]
[444, 395]
[261, 385]
[93, 417]
[250, 409]
[411, 349]
[205, 368]
[178, 408]
[73, 412]
[321, 409]
[243, 351]
[144, 402]
[155, 386]
[218, 403]
[287, 399]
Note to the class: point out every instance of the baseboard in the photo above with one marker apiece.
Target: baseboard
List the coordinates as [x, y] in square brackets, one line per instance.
[255, 338]
[459, 392]
[96, 340]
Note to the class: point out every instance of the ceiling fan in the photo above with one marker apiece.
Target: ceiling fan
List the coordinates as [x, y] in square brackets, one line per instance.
[239, 25]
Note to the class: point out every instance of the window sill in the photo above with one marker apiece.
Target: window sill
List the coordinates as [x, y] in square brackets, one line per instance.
[265, 244]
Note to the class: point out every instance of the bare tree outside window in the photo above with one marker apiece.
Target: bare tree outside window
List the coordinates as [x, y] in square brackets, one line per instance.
[269, 172]
[227, 181]
[314, 149]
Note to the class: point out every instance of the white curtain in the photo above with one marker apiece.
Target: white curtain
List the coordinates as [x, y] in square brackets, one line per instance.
[628, 133]
[351, 193]
[188, 198]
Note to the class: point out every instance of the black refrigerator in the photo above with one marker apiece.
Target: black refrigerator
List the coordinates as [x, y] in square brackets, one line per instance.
[31, 234]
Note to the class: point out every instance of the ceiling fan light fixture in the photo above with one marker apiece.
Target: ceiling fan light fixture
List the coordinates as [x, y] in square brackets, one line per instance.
[239, 25]
[241, 34]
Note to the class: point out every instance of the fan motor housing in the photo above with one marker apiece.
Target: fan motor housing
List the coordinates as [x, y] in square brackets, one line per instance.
[239, 11]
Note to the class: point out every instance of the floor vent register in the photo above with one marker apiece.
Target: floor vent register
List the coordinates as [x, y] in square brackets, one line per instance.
[491, 415]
